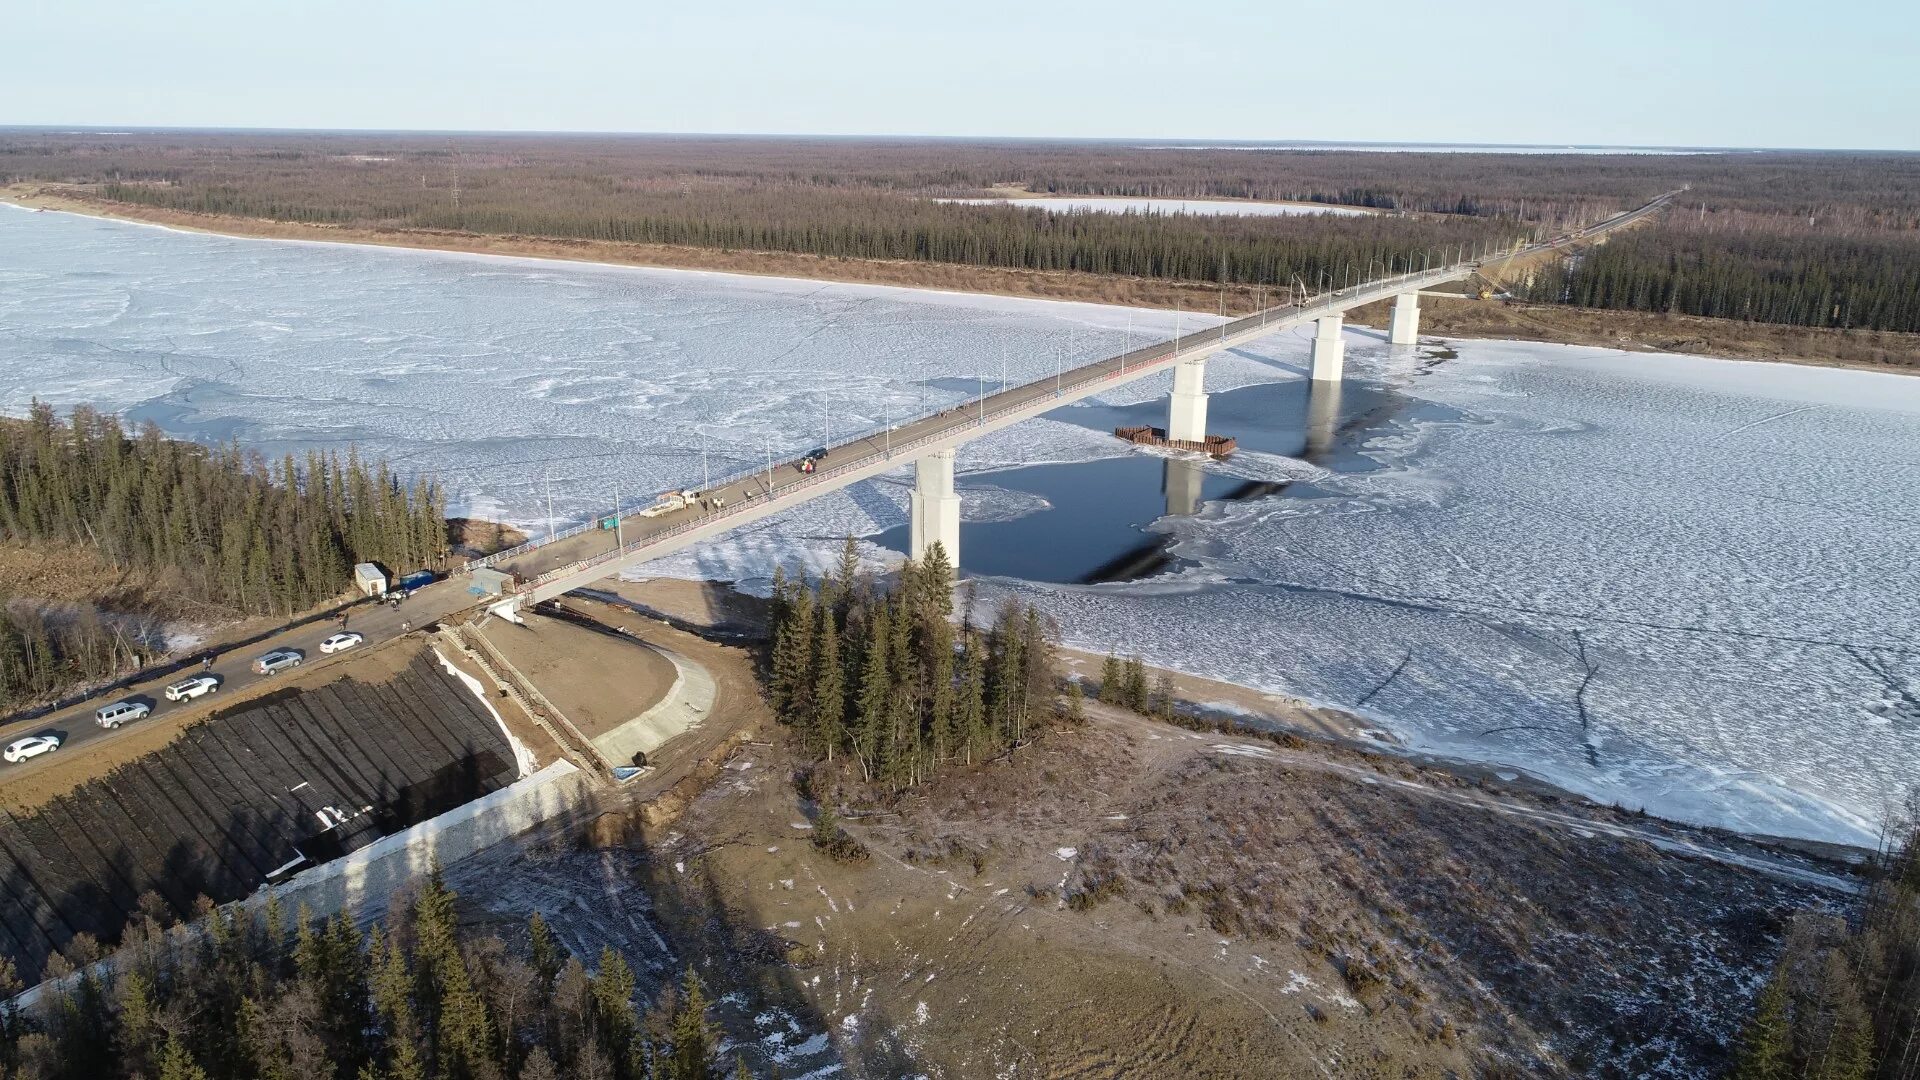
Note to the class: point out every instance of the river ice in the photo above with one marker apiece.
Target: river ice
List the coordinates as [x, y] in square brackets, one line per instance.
[1676, 583]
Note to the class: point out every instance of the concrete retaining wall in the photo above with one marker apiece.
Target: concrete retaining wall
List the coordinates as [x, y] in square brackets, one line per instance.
[375, 872]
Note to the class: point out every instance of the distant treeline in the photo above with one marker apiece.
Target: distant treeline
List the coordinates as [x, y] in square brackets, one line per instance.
[214, 525]
[884, 678]
[1826, 234]
[1843, 1002]
[1806, 279]
[840, 224]
[274, 997]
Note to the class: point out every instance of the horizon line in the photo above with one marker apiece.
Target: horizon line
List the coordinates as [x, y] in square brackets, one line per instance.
[1169, 141]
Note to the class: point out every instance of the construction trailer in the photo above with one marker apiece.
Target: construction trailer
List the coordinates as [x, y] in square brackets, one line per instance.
[369, 579]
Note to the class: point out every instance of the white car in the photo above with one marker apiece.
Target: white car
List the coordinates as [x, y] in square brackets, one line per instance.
[188, 689]
[341, 641]
[31, 747]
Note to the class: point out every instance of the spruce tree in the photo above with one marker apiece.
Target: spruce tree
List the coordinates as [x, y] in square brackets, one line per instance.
[876, 692]
[1766, 1046]
[1164, 696]
[1136, 686]
[693, 1035]
[1073, 704]
[547, 955]
[971, 698]
[613, 1004]
[829, 688]
[176, 1063]
[1113, 682]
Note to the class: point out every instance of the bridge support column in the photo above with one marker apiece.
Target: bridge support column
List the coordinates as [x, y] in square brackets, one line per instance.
[935, 507]
[1404, 329]
[1329, 352]
[1187, 410]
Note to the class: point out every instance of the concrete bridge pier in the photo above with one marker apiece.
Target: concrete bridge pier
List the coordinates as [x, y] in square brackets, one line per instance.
[1187, 409]
[935, 507]
[1329, 352]
[1404, 328]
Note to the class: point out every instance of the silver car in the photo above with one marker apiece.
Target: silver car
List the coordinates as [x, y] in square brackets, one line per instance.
[278, 660]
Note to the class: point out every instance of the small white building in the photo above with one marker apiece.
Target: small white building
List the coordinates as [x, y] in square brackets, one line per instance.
[370, 579]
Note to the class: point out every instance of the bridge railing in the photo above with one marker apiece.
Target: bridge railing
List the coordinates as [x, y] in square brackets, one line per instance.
[1323, 303]
[1012, 400]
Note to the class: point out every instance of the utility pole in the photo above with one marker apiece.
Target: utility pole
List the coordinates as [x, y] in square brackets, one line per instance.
[706, 481]
[1123, 355]
[548, 474]
[983, 399]
[619, 526]
[769, 445]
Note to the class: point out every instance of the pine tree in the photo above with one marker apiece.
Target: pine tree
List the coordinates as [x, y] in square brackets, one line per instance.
[1163, 696]
[693, 1035]
[971, 698]
[876, 690]
[1113, 682]
[1849, 1051]
[139, 1029]
[1136, 686]
[829, 688]
[1767, 1043]
[547, 955]
[177, 1064]
[791, 687]
[613, 1004]
[1073, 704]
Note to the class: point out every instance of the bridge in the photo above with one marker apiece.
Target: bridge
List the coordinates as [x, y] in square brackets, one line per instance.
[580, 556]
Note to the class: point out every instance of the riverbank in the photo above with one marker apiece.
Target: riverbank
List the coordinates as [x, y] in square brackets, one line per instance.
[1641, 331]
[946, 277]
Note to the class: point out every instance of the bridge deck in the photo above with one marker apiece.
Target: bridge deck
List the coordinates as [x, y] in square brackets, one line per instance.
[586, 554]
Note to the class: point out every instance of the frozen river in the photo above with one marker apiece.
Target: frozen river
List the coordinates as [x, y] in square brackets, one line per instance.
[1683, 584]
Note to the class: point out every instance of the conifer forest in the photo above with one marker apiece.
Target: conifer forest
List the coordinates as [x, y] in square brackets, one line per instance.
[1816, 239]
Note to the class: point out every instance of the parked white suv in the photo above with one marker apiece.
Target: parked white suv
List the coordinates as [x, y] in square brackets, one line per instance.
[112, 716]
[30, 747]
[188, 689]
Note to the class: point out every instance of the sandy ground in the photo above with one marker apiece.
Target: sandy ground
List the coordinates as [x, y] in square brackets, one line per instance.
[597, 680]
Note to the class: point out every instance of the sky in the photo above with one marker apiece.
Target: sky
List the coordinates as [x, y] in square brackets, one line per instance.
[1612, 72]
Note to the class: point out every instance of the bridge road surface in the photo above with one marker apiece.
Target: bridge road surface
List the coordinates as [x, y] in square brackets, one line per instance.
[550, 568]
[586, 554]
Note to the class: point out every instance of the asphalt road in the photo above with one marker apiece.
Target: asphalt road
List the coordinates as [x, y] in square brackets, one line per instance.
[233, 665]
